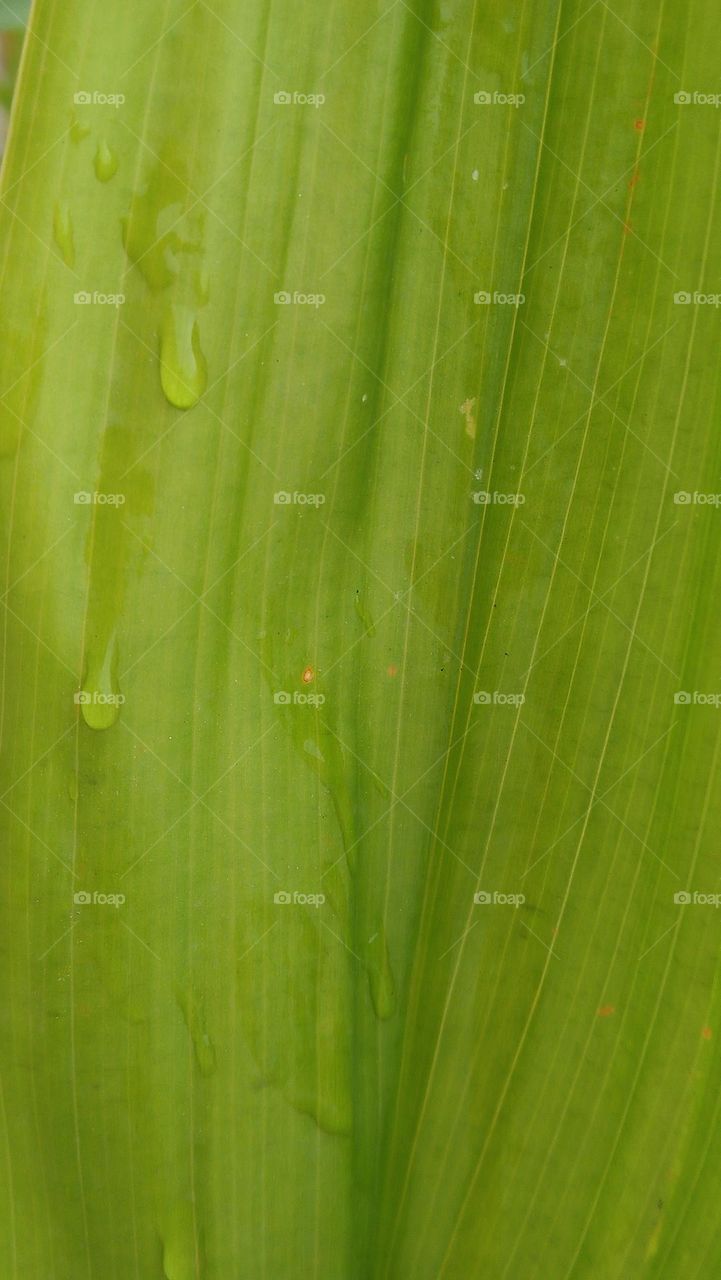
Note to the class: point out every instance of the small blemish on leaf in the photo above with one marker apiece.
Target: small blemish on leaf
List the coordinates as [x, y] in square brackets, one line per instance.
[467, 409]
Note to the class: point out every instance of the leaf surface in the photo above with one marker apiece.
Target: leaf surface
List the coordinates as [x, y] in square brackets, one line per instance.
[345, 406]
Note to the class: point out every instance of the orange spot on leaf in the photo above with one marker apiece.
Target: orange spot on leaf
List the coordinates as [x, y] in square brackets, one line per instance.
[392, 670]
[606, 1010]
[633, 181]
[639, 125]
[308, 675]
[707, 1033]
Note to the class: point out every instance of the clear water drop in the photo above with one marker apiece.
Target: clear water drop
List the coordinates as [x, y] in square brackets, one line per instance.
[78, 132]
[380, 977]
[100, 697]
[183, 368]
[63, 233]
[105, 162]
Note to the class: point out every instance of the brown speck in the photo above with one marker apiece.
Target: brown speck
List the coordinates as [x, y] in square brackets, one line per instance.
[467, 410]
[606, 1010]
[308, 675]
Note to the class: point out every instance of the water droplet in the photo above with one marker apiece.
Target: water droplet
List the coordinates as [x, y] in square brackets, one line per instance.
[160, 233]
[179, 1245]
[183, 368]
[100, 696]
[195, 1022]
[63, 233]
[330, 1104]
[105, 163]
[163, 236]
[380, 977]
[78, 131]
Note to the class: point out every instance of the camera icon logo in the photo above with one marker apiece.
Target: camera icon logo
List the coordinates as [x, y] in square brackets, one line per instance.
[482, 698]
[82, 98]
[282, 98]
[483, 98]
[682, 699]
[82, 899]
[682, 899]
[482, 298]
[682, 299]
[282, 298]
[682, 498]
[82, 298]
[83, 498]
[82, 698]
[282, 897]
[282, 498]
[682, 98]
[282, 698]
[482, 899]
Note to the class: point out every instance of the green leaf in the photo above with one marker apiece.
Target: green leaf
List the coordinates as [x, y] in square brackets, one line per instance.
[358, 420]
